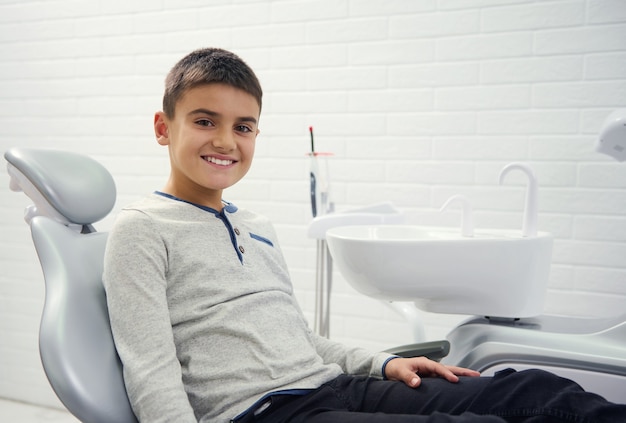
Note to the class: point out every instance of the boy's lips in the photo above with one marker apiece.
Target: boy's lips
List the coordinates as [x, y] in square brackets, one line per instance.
[218, 161]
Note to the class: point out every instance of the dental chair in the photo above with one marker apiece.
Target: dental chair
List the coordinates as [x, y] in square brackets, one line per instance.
[70, 192]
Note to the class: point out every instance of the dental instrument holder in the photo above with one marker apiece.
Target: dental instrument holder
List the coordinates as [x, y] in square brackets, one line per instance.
[369, 215]
[321, 202]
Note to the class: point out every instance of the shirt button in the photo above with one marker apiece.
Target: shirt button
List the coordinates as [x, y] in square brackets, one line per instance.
[237, 231]
[242, 249]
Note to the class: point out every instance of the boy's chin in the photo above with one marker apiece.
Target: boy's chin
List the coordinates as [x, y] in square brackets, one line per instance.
[220, 186]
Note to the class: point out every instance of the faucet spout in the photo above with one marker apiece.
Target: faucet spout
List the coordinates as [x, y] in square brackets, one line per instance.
[529, 225]
[467, 221]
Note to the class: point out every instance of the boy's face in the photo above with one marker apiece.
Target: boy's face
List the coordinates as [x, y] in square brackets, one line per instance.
[211, 141]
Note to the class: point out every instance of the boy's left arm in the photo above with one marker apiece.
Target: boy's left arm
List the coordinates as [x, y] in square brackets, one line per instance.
[355, 361]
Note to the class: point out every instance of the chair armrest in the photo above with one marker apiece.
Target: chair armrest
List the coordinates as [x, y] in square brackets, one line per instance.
[435, 350]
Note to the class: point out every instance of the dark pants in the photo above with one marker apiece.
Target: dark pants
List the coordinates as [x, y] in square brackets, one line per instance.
[531, 396]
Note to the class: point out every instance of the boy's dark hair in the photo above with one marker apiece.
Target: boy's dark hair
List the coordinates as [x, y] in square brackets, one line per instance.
[207, 66]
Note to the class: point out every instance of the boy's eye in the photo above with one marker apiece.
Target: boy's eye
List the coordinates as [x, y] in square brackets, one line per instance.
[204, 122]
[243, 128]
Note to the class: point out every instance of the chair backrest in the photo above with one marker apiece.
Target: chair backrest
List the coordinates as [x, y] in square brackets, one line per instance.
[71, 192]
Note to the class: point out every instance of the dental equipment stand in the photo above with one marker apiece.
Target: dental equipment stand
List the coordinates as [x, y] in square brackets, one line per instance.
[492, 274]
[323, 288]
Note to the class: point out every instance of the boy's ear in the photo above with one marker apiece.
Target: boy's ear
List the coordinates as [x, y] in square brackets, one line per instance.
[161, 128]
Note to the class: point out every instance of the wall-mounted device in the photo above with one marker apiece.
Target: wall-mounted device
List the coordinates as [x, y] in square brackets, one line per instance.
[612, 139]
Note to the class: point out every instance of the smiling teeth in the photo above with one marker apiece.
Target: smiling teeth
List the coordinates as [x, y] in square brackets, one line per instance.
[219, 161]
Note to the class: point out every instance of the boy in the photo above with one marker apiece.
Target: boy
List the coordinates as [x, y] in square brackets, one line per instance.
[202, 308]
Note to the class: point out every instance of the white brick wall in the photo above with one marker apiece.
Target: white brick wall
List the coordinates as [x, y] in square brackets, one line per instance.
[419, 100]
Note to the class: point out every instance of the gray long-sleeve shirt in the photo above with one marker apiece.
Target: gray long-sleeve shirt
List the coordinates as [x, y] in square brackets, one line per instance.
[203, 314]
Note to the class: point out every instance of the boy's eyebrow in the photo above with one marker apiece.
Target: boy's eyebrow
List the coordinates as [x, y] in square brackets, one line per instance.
[202, 111]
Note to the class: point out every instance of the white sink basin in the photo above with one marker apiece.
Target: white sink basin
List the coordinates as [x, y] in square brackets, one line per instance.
[495, 273]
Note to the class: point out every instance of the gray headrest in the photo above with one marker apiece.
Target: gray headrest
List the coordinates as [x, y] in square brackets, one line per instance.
[77, 186]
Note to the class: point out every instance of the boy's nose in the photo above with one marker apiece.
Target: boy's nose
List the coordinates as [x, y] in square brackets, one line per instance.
[224, 140]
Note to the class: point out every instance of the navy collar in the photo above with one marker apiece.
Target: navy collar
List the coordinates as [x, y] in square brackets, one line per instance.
[228, 207]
